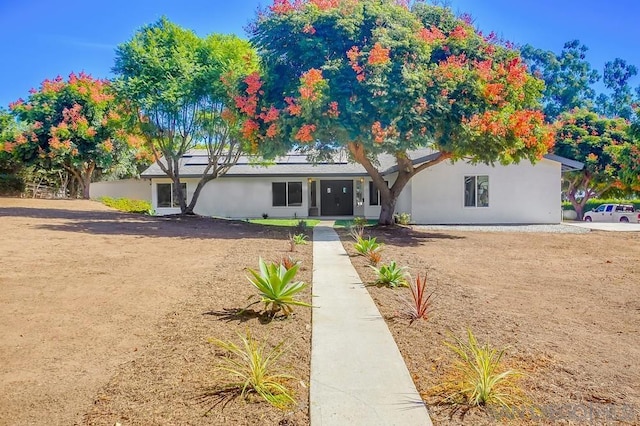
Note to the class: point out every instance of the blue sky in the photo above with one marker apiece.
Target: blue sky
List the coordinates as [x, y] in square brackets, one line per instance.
[43, 38]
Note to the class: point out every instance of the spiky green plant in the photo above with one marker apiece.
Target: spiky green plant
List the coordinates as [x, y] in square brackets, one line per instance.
[364, 247]
[356, 232]
[277, 286]
[253, 365]
[391, 275]
[481, 378]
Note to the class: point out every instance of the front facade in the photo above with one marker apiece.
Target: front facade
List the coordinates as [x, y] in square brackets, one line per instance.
[446, 193]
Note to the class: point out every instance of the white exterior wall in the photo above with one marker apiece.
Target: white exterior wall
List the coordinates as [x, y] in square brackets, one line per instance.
[403, 205]
[136, 189]
[520, 193]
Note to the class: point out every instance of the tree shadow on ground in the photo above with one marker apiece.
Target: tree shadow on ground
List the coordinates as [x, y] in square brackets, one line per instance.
[401, 236]
[241, 315]
[117, 223]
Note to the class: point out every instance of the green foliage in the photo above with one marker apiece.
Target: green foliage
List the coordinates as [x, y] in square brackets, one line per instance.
[620, 102]
[11, 184]
[127, 205]
[360, 221]
[481, 378]
[568, 77]
[607, 150]
[419, 305]
[595, 202]
[364, 247]
[391, 275]
[181, 86]
[277, 286]
[346, 223]
[356, 232]
[403, 218]
[253, 365]
[299, 239]
[375, 77]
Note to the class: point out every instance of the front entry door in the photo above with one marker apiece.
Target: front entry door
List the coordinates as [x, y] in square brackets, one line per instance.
[336, 198]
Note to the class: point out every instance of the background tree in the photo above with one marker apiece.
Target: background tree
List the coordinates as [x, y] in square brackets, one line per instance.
[606, 148]
[75, 125]
[568, 77]
[616, 76]
[178, 84]
[374, 77]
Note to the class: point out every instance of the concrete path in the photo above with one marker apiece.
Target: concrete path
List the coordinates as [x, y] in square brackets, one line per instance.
[607, 226]
[358, 376]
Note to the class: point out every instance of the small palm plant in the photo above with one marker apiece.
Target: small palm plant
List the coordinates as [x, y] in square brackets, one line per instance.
[252, 364]
[296, 240]
[276, 286]
[419, 306]
[391, 275]
[364, 247]
[481, 379]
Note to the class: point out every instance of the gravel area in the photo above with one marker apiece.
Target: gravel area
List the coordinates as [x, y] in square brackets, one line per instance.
[554, 229]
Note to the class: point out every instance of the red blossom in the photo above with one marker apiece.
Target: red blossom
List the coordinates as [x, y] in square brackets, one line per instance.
[459, 33]
[378, 55]
[292, 107]
[432, 34]
[305, 133]
[333, 110]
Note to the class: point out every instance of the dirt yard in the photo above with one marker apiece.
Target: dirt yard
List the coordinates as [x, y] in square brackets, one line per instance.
[566, 306]
[105, 317]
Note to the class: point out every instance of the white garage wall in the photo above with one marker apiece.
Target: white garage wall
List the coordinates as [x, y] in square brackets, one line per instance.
[521, 193]
[136, 189]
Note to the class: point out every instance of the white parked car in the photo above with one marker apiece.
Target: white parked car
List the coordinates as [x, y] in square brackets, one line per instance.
[613, 213]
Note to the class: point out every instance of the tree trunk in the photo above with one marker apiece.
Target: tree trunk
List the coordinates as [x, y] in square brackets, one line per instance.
[196, 193]
[387, 209]
[85, 180]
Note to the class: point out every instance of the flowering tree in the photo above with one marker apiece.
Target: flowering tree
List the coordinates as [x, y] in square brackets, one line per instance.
[606, 147]
[374, 76]
[179, 86]
[74, 124]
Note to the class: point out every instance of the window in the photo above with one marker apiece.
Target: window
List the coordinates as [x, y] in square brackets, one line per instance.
[476, 191]
[165, 194]
[609, 208]
[286, 194]
[374, 194]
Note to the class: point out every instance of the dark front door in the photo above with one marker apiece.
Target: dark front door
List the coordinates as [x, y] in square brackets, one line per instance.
[336, 197]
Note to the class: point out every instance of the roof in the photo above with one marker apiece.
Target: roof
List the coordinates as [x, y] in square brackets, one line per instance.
[194, 163]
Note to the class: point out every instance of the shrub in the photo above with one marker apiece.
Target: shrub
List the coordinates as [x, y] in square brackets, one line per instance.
[419, 306]
[296, 240]
[390, 275]
[364, 247]
[356, 232]
[127, 205]
[288, 262]
[479, 377]
[11, 184]
[595, 202]
[402, 218]
[360, 221]
[253, 365]
[265, 215]
[276, 286]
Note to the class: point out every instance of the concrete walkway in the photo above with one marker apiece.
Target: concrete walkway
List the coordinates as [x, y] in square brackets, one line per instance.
[358, 376]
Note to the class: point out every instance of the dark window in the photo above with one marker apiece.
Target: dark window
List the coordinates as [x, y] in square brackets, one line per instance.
[374, 194]
[286, 194]
[609, 208]
[476, 191]
[295, 194]
[165, 195]
[313, 194]
[279, 190]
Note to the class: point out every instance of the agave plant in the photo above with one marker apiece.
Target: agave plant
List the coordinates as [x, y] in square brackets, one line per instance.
[277, 287]
[253, 365]
[364, 247]
[481, 379]
[391, 275]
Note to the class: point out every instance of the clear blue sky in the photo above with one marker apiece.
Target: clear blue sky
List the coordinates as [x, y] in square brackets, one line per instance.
[44, 38]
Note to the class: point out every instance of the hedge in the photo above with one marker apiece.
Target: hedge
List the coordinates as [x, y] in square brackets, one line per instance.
[127, 205]
[11, 184]
[595, 202]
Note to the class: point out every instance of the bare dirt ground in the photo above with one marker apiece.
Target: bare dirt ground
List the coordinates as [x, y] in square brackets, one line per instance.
[105, 317]
[567, 307]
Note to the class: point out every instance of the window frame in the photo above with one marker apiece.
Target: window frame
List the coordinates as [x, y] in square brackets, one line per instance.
[479, 200]
[172, 202]
[290, 191]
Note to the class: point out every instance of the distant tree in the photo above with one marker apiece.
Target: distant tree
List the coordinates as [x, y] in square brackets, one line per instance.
[179, 86]
[568, 77]
[75, 125]
[607, 149]
[616, 76]
[374, 77]
[8, 130]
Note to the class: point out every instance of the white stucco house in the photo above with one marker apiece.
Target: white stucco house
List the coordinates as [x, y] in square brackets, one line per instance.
[458, 193]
